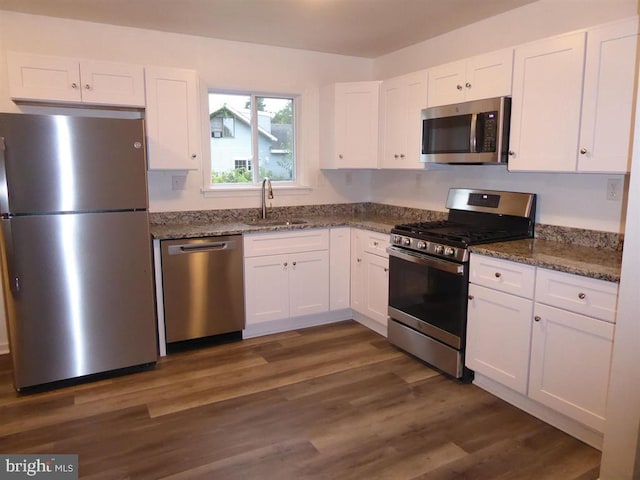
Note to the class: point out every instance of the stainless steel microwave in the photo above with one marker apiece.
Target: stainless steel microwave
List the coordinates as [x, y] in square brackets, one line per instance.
[474, 132]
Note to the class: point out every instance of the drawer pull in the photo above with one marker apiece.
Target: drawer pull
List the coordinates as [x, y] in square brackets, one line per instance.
[375, 244]
[582, 295]
[537, 318]
[497, 274]
[470, 297]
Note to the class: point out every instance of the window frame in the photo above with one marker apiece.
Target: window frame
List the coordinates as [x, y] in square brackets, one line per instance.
[294, 186]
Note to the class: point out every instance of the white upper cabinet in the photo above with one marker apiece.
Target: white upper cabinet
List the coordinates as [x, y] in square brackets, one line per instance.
[605, 132]
[351, 124]
[401, 102]
[172, 117]
[68, 80]
[484, 76]
[545, 110]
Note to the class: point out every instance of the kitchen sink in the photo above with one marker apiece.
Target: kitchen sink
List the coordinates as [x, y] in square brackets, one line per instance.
[274, 222]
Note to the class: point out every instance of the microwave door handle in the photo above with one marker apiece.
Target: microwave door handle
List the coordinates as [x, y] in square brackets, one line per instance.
[472, 135]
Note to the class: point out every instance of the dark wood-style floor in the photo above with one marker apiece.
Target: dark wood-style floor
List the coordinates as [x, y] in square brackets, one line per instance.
[334, 402]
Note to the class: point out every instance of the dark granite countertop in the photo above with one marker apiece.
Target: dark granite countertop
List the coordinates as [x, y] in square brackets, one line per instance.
[599, 263]
[587, 253]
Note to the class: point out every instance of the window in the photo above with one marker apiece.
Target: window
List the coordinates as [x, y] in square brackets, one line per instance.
[252, 137]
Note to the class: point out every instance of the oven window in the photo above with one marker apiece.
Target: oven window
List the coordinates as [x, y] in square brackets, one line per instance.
[430, 295]
[446, 135]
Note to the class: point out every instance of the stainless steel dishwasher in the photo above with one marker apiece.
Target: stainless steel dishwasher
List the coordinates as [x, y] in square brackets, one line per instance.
[203, 287]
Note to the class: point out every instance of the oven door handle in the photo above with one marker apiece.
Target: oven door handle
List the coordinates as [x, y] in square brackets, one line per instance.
[420, 259]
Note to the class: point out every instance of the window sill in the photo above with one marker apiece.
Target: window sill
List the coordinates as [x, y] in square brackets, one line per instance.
[253, 190]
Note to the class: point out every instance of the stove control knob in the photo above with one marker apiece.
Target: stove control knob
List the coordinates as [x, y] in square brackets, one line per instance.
[439, 249]
[397, 239]
[422, 245]
[449, 251]
[406, 241]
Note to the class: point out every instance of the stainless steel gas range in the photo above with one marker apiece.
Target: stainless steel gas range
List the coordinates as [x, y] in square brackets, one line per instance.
[429, 272]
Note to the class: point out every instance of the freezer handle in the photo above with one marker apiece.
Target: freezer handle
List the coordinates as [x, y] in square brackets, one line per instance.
[4, 191]
[199, 247]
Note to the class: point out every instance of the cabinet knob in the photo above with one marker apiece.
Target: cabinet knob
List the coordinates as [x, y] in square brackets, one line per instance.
[294, 264]
[386, 269]
[512, 153]
[358, 260]
[582, 295]
[470, 297]
[537, 318]
[497, 274]
[340, 156]
[74, 85]
[402, 155]
[459, 87]
[285, 264]
[583, 151]
[395, 156]
[193, 155]
[375, 244]
[87, 86]
[468, 85]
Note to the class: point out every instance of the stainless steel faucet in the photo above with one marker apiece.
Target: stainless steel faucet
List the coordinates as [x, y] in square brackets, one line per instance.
[266, 185]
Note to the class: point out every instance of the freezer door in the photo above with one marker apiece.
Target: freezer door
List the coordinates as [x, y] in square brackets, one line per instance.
[79, 294]
[57, 163]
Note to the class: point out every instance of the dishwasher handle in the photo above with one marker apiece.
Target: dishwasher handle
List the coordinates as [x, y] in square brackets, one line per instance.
[200, 247]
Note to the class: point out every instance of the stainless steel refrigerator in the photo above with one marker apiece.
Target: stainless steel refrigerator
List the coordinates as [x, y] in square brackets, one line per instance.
[76, 249]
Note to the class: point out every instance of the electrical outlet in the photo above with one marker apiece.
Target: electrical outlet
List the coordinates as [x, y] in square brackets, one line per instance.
[178, 182]
[614, 189]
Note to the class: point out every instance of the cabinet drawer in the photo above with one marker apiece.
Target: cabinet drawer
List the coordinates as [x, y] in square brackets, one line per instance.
[588, 296]
[376, 243]
[504, 275]
[276, 243]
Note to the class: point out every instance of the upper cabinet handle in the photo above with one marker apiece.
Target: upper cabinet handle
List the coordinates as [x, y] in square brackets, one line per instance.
[468, 85]
[583, 151]
[582, 295]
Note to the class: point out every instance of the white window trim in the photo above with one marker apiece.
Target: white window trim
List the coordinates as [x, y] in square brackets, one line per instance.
[299, 187]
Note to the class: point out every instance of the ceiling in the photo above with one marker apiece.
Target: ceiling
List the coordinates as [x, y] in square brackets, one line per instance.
[363, 28]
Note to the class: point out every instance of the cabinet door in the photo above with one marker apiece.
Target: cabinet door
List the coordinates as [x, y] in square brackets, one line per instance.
[608, 98]
[498, 336]
[402, 101]
[358, 302]
[266, 288]
[377, 287]
[545, 115]
[173, 119]
[339, 268]
[308, 283]
[356, 124]
[446, 84]
[39, 77]
[109, 83]
[489, 75]
[570, 360]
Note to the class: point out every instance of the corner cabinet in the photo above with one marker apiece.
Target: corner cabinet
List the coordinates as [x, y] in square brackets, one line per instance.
[350, 120]
[401, 102]
[483, 76]
[370, 278]
[544, 334]
[172, 118]
[286, 274]
[67, 80]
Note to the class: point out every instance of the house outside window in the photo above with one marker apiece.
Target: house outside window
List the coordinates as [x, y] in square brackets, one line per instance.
[252, 137]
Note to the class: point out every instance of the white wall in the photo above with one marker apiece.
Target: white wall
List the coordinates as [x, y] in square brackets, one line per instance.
[221, 64]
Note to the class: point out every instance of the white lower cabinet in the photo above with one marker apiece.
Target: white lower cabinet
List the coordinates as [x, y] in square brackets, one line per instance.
[570, 359]
[286, 275]
[339, 267]
[498, 336]
[544, 334]
[370, 277]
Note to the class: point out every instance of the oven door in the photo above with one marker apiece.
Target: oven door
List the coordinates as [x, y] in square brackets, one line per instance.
[429, 295]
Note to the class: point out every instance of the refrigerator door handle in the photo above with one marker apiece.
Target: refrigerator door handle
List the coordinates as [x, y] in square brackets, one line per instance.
[7, 240]
[4, 192]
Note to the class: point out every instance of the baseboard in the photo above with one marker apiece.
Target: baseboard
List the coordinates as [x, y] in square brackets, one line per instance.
[370, 323]
[287, 324]
[561, 422]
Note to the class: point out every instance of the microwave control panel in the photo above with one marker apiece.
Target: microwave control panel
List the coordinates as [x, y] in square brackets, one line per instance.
[487, 132]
